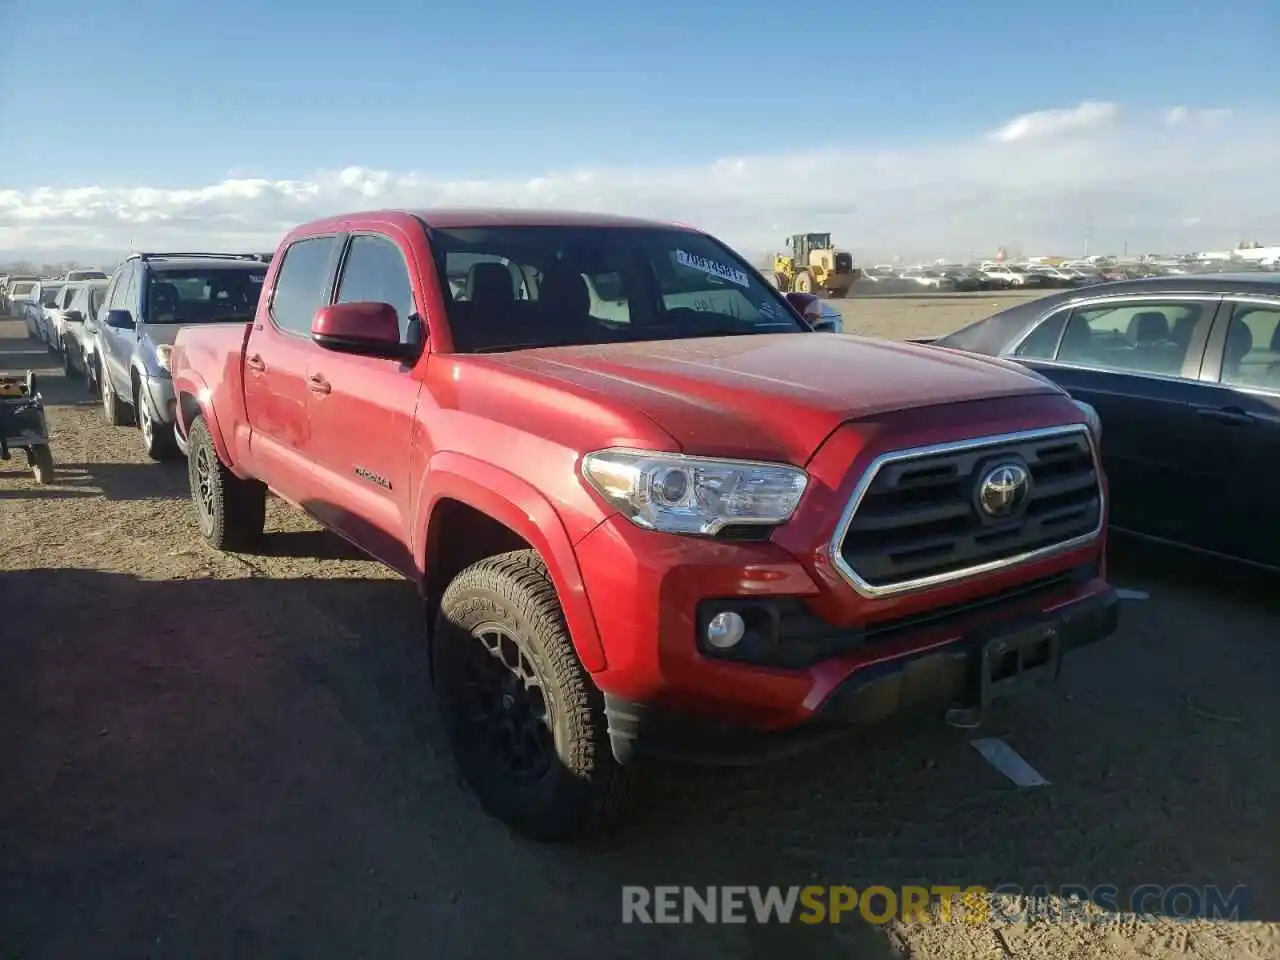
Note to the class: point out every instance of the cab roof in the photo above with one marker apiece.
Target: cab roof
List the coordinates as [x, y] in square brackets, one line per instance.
[449, 218]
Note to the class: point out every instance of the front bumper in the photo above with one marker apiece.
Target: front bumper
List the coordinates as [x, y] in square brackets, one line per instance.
[940, 673]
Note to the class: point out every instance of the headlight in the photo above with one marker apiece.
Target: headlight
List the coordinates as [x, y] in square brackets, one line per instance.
[694, 495]
[163, 353]
[1092, 419]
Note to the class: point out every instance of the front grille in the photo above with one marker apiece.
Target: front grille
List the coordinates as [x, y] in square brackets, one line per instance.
[915, 518]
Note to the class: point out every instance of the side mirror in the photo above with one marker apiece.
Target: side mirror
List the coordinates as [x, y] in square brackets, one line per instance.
[120, 320]
[367, 329]
[808, 306]
[73, 316]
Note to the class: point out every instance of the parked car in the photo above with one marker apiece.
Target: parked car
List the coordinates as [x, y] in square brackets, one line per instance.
[1000, 278]
[19, 294]
[929, 280]
[78, 329]
[1184, 372]
[75, 275]
[967, 280]
[682, 532]
[41, 306]
[151, 296]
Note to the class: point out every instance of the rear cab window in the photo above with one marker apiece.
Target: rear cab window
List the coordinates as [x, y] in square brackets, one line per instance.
[517, 287]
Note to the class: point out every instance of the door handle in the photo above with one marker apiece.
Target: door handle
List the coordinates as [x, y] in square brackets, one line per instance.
[255, 364]
[1229, 416]
[318, 384]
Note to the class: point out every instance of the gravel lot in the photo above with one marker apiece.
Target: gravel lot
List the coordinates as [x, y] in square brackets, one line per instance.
[217, 755]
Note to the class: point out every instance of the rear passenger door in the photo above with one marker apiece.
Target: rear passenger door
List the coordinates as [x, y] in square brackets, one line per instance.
[1241, 398]
[276, 358]
[1137, 361]
[116, 345]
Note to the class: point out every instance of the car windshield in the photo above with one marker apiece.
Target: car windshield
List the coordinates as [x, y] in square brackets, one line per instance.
[519, 287]
[202, 295]
[87, 275]
[21, 289]
[49, 296]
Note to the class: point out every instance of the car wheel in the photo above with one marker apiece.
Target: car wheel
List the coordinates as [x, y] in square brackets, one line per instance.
[68, 365]
[157, 436]
[117, 412]
[526, 724]
[41, 458]
[231, 512]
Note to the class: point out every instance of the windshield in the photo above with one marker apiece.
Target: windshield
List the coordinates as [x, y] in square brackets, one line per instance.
[49, 296]
[518, 287]
[21, 289]
[87, 275]
[198, 295]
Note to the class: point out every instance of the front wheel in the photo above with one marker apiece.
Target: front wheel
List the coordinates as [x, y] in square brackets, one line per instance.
[231, 512]
[157, 436]
[525, 722]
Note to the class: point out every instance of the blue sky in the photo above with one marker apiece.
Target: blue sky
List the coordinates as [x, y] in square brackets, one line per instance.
[185, 92]
[169, 95]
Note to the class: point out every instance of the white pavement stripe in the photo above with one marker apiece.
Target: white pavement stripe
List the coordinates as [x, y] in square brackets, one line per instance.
[1007, 760]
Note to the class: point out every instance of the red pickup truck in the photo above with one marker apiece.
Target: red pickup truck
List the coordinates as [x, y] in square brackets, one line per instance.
[650, 510]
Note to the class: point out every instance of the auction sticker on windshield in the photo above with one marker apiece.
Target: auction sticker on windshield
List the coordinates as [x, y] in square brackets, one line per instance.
[712, 267]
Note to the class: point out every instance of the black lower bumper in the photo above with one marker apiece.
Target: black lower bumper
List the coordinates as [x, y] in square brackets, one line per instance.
[948, 676]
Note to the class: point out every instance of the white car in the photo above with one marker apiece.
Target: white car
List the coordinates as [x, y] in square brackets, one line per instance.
[1004, 275]
[20, 294]
[75, 275]
[43, 305]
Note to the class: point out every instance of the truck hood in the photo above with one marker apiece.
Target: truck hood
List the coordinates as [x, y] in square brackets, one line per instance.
[773, 396]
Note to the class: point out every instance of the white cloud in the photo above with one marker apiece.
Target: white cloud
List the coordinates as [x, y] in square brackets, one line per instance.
[1088, 115]
[1042, 181]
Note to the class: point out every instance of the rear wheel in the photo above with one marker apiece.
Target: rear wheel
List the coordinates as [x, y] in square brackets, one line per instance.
[116, 411]
[41, 458]
[68, 366]
[526, 724]
[231, 512]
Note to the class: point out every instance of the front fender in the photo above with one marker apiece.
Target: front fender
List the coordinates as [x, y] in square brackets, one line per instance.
[189, 383]
[518, 505]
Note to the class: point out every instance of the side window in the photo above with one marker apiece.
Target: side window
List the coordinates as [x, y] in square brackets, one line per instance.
[1251, 357]
[302, 283]
[1042, 342]
[68, 295]
[375, 270]
[128, 300]
[1143, 336]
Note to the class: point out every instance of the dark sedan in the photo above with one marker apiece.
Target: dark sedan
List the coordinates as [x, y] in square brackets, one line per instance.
[1184, 372]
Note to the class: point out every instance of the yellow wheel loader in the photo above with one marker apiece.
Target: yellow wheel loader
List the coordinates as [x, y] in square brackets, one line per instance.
[814, 265]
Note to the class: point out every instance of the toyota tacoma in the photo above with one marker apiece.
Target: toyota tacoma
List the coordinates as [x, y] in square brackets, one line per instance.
[650, 511]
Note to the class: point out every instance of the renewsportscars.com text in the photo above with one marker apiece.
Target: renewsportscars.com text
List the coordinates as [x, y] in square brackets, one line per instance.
[907, 904]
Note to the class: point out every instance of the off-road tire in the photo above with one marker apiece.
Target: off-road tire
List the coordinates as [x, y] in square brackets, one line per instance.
[584, 787]
[42, 463]
[116, 411]
[235, 512]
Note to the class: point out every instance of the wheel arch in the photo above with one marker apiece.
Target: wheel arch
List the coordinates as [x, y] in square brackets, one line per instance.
[499, 512]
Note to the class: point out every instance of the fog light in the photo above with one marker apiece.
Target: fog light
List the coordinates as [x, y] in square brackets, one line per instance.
[725, 630]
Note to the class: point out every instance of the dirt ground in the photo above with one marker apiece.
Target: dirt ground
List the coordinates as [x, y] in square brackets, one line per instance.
[211, 755]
